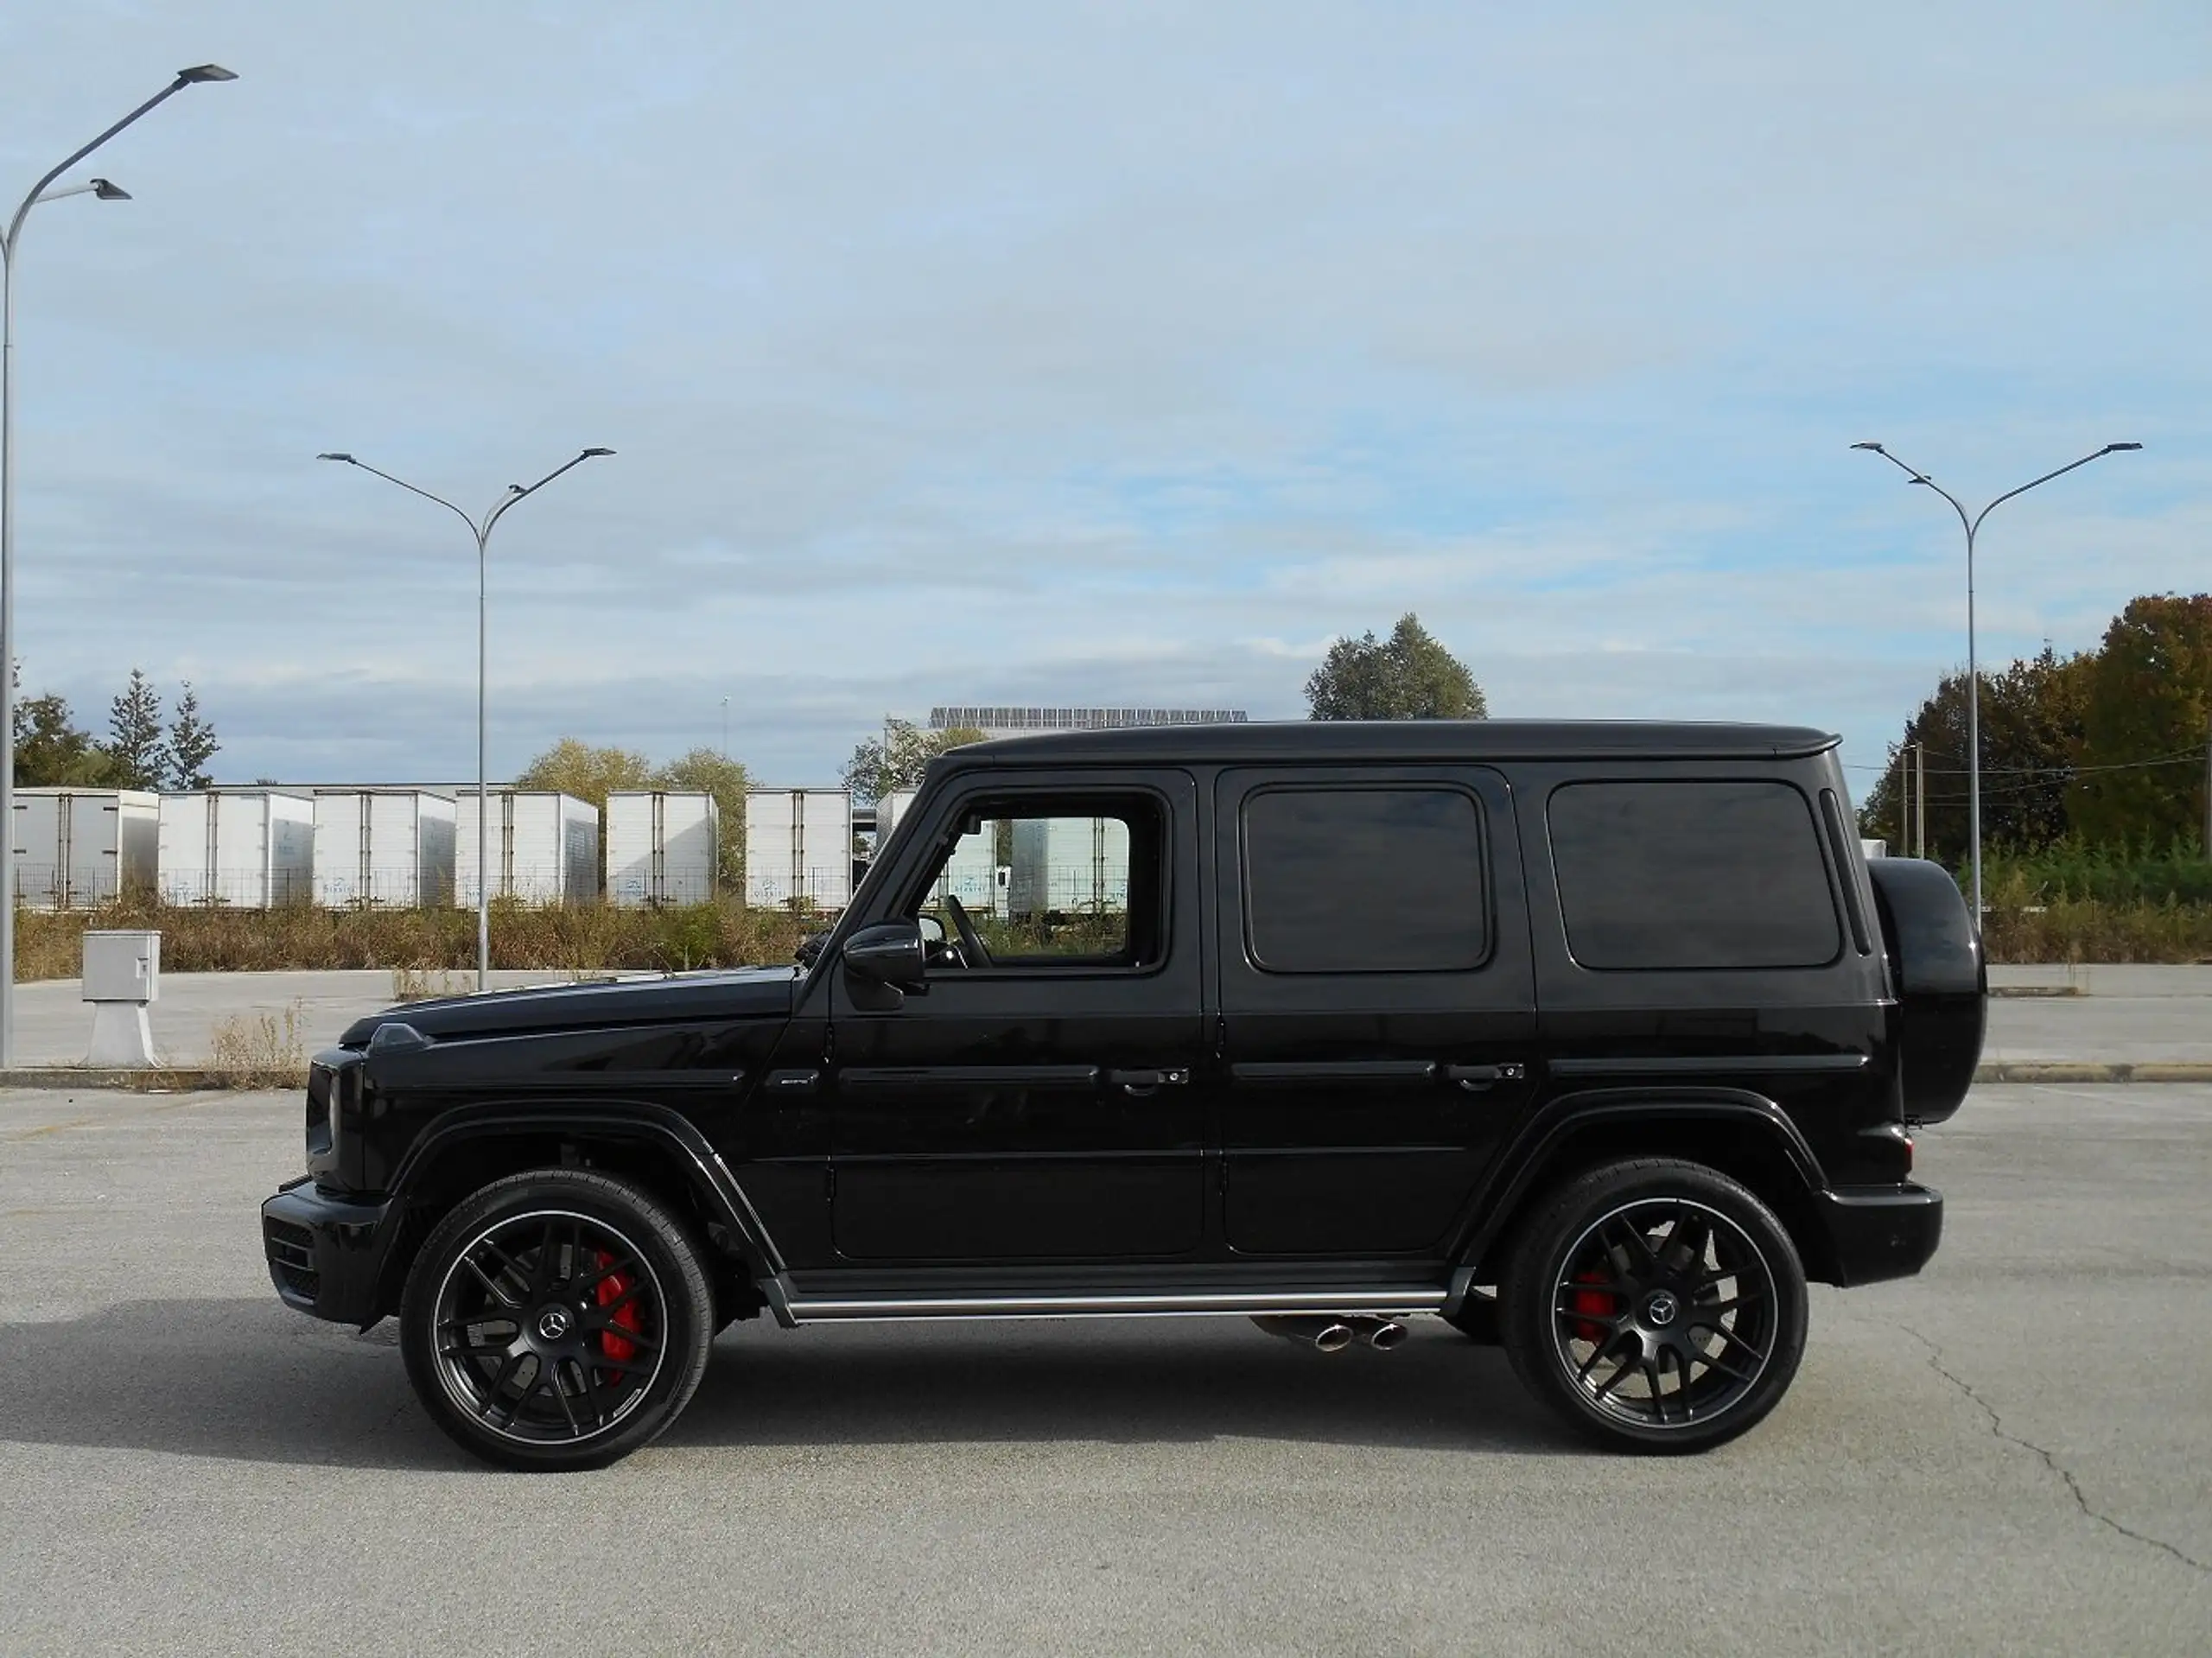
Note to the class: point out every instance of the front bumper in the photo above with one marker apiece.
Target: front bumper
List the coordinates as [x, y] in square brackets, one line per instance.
[326, 1253]
[1878, 1232]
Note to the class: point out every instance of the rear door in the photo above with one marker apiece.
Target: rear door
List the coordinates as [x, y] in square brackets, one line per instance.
[1377, 1002]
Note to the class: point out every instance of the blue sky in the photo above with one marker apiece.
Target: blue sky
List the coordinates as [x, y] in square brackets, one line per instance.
[1091, 353]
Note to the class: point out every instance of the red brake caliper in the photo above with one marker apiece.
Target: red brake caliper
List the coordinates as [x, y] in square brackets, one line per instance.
[1592, 1304]
[611, 1289]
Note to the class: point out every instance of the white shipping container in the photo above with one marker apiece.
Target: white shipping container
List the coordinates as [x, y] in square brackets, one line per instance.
[253, 848]
[888, 811]
[971, 875]
[1067, 864]
[662, 846]
[544, 846]
[386, 847]
[76, 847]
[798, 847]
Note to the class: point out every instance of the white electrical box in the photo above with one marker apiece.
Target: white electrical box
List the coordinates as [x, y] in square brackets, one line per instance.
[123, 966]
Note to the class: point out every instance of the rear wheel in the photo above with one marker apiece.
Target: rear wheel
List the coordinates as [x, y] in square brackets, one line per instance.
[1657, 1306]
[558, 1319]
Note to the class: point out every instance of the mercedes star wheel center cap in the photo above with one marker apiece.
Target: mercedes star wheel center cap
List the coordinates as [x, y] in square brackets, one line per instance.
[1660, 1308]
[553, 1323]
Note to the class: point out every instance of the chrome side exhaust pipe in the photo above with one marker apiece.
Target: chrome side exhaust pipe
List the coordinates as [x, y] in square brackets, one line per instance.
[1382, 1334]
[1326, 1334]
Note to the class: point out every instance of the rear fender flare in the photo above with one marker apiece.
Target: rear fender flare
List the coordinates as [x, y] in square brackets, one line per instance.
[1533, 1155]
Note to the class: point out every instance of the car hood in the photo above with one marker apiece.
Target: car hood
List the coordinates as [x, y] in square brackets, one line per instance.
[644, 999]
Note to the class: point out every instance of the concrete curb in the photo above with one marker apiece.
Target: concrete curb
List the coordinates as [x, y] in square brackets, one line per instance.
[169, 1079]
[2066, 1070]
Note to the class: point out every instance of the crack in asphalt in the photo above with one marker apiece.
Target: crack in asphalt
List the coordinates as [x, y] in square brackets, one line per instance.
[2074, 1486]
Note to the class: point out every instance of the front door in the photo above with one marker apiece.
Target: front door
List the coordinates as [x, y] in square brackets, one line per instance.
[1377, 1000]
[1034, 1101]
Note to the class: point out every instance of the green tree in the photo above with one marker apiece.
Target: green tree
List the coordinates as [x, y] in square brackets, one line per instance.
[2147, 719]
[134, 726]
[52, 753]
[2032, 738]
[1406, 676]
[897, 759]
[710, 772]
[191, 745]
[576, 768]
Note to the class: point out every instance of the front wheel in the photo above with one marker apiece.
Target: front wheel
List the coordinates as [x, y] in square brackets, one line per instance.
[1657, 1306]
[558, 1319]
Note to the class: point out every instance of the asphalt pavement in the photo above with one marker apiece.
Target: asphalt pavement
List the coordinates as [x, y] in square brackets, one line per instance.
[2005, 1455]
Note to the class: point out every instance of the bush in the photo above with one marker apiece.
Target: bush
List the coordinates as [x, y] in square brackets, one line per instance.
[48, 944]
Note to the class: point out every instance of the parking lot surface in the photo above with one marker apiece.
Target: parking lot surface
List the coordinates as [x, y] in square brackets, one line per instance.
[2007, 1454]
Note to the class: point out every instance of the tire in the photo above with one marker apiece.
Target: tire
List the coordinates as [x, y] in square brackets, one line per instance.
[557, 1320]
[1657, 1306]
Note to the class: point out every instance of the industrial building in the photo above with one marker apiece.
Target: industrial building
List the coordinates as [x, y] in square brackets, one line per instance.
[1007, 722]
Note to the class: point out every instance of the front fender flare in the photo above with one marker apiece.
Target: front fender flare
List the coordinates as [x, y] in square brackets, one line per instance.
[634, 1121]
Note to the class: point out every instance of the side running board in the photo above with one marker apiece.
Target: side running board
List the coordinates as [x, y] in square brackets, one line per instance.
[792, 1310]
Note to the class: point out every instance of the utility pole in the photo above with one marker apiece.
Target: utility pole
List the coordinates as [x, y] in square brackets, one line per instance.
[2208, 790]
[1904, 805]
[1919, 800]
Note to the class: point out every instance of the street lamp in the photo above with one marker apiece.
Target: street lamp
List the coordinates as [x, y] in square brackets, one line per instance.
[1973, 522]
[10, 242]
[481, 529]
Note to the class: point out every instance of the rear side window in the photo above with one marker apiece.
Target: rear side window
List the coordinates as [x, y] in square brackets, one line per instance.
[1688, 875]
[1364, 880]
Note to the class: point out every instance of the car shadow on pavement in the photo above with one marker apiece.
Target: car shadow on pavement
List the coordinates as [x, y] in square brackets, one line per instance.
[251, 1380]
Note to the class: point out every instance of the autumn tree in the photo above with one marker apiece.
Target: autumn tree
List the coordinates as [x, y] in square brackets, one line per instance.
[1406, 676]
[577, 768]
[2147, 719]
[897, 759]
[53, 752]
[2031, 724]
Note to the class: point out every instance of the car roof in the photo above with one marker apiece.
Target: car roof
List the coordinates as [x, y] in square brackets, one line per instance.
[1406, 740]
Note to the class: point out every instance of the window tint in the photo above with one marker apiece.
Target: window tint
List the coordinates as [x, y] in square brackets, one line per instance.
[1687, 875]
[1364, 880]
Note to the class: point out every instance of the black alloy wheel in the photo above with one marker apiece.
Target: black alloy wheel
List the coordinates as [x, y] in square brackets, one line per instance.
[558, 1319]
[1658, 1306]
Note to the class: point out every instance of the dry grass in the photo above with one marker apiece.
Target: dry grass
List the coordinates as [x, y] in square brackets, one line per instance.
[586, 938]
[419, 984]
[258, 1049]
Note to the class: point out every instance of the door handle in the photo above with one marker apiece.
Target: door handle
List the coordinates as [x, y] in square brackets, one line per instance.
[1476, 1079]
[1138, 1083]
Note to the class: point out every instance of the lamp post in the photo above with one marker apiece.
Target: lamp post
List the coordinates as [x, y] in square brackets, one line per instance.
[1972, 523]
[10, 244]
[481, 529]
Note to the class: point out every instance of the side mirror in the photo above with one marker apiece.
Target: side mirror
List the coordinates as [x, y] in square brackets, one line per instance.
[890, 953]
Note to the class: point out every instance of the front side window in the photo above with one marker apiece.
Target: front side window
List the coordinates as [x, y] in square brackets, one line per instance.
[1681, 876]
[1363, 880]
[1073, 881]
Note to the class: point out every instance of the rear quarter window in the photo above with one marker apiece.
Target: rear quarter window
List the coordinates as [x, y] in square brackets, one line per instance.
[1691, 875]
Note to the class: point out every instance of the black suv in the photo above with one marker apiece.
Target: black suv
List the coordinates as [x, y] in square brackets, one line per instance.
[1595, 1040]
